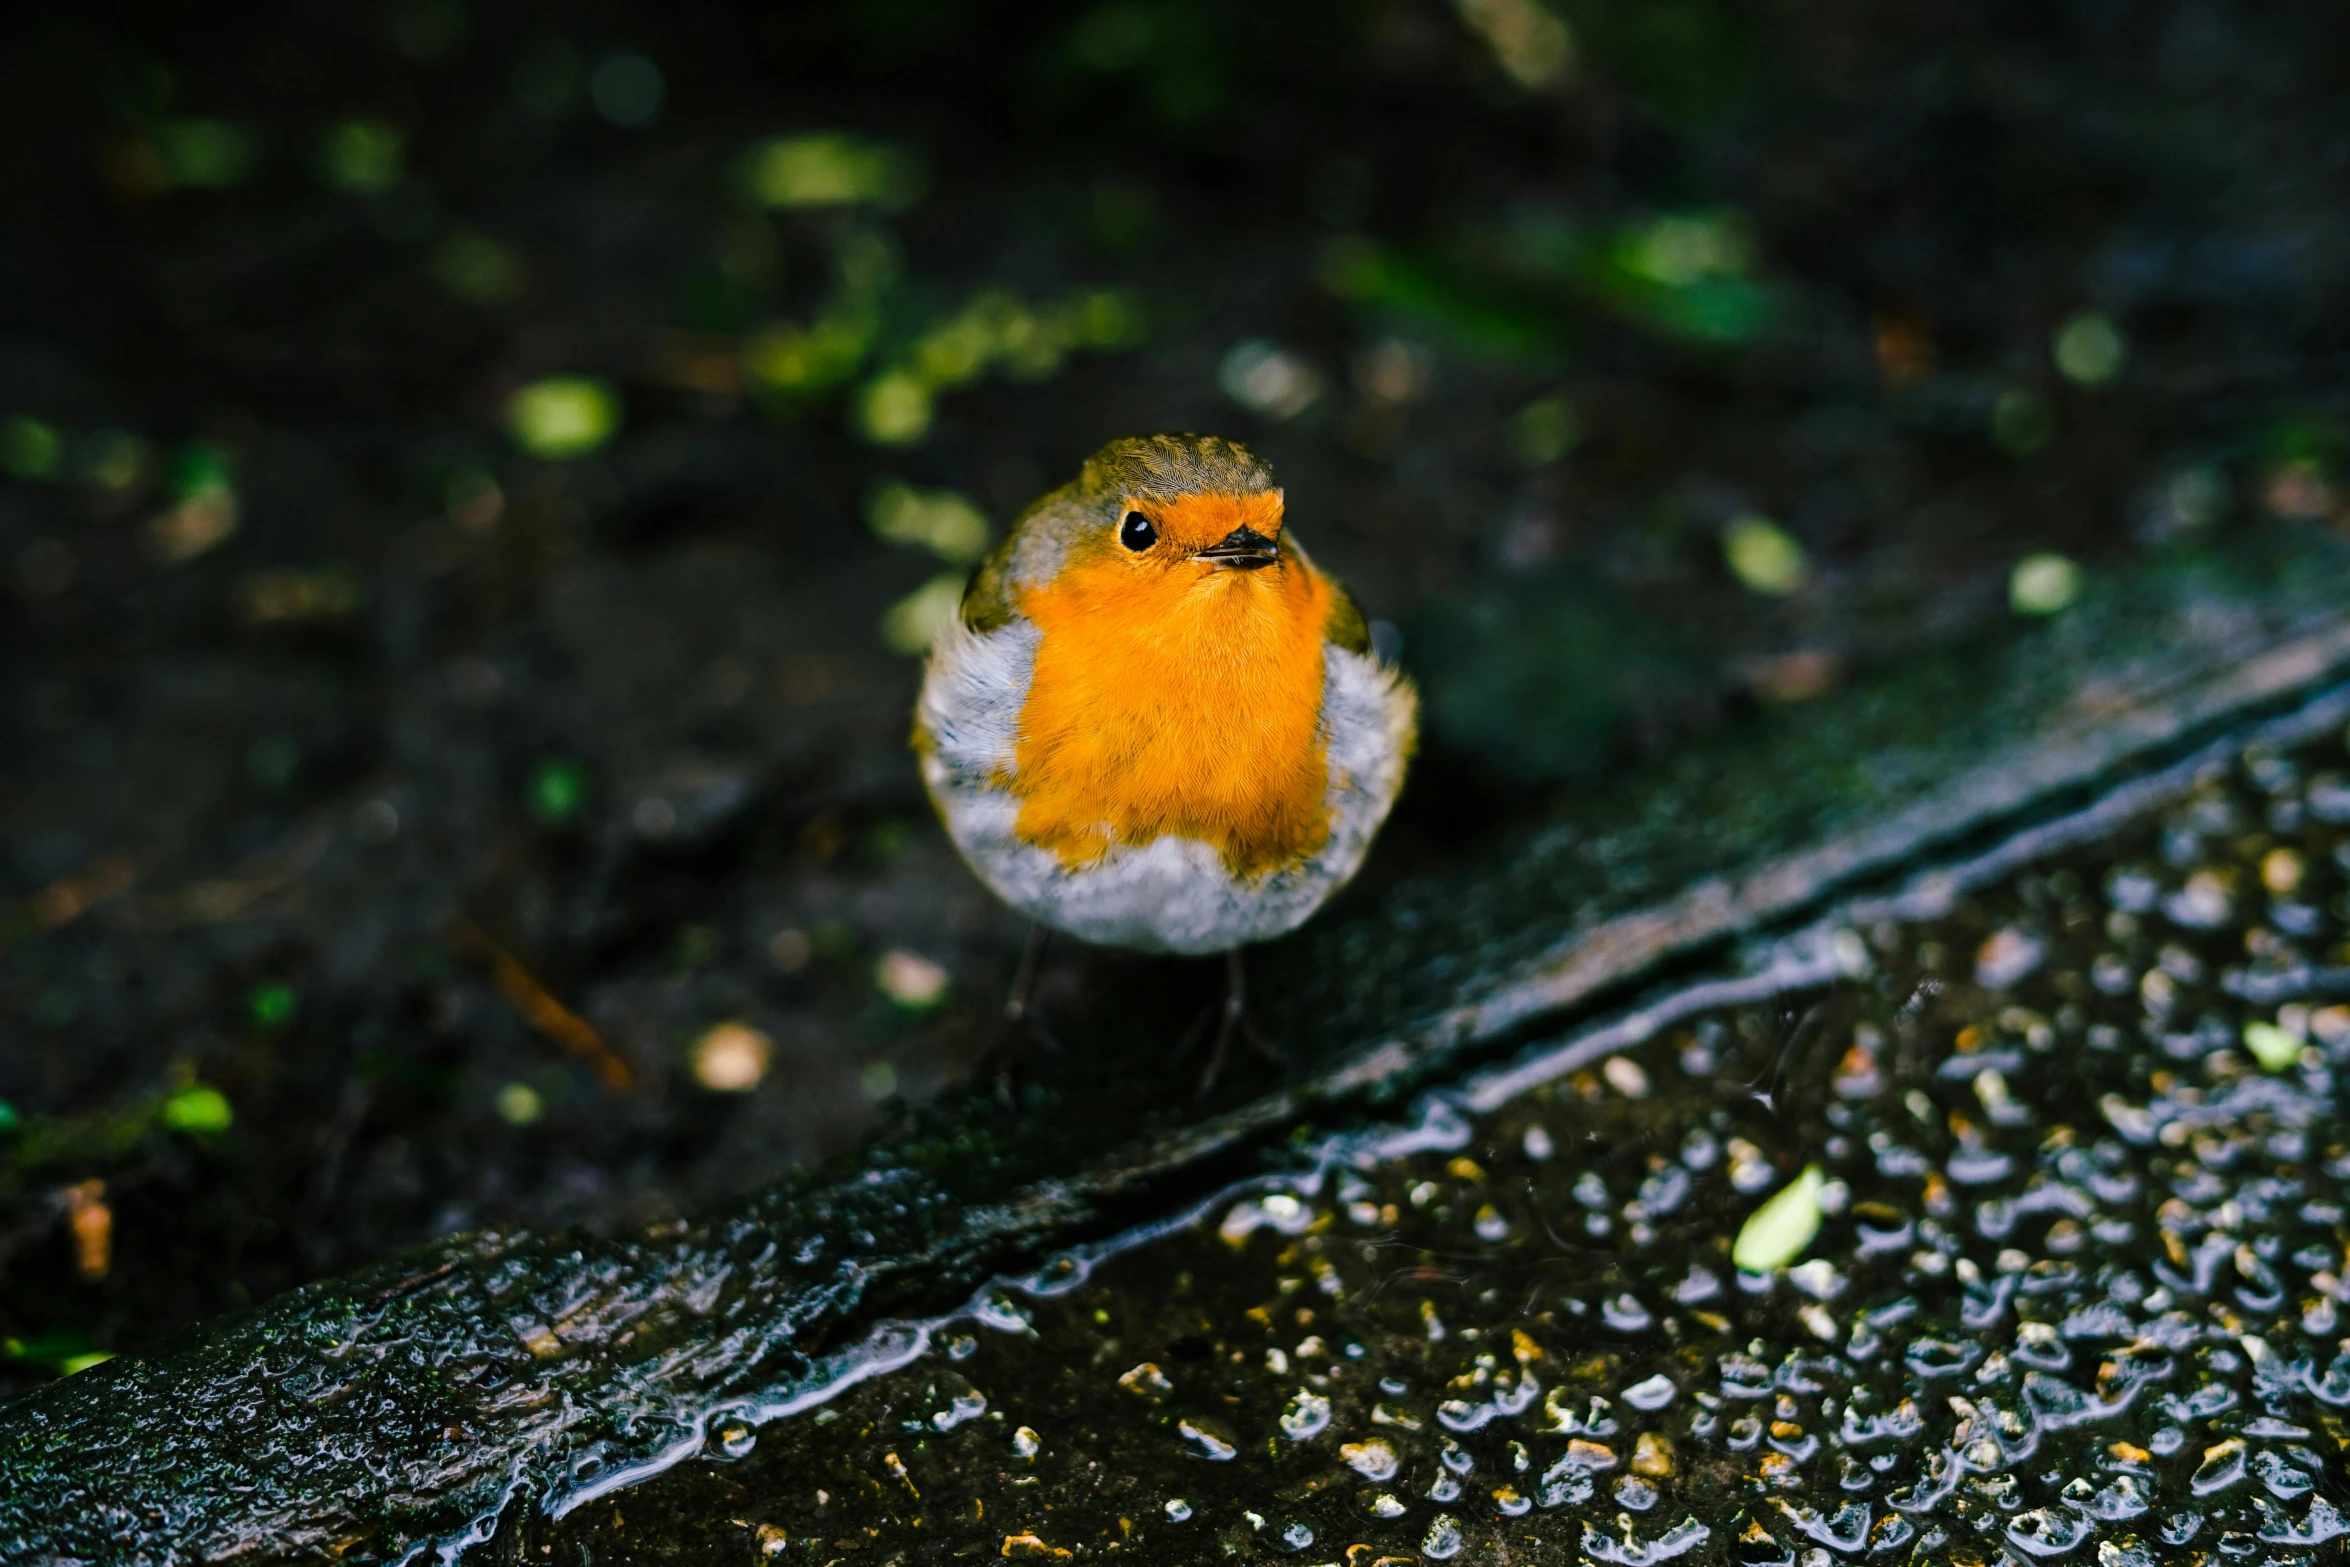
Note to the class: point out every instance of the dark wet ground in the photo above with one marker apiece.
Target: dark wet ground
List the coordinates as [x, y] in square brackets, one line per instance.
[391, 813]
[2077, 1292]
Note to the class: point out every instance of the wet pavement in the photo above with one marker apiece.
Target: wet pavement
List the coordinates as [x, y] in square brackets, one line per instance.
[2077, 1290]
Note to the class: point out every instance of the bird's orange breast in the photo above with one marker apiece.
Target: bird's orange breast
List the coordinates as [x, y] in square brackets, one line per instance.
[1184, 702]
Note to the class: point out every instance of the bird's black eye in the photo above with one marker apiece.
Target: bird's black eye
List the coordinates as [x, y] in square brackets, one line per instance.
[1137, 534]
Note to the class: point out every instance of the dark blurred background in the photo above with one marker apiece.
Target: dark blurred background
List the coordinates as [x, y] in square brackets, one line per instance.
[475, 482]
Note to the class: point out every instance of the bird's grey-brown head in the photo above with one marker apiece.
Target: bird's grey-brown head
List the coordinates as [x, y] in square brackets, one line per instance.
[1169, 467]
[1163, 498]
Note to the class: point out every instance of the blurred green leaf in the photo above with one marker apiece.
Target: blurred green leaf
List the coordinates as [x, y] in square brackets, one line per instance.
[2021, 421]
[1764, 555]
[200, 153]
[832, 169]
[793, 359]
[941, 521]
[362, 156]
[2089, 349]
[1109, 320]
[200, 471]
[519, 1104]
[2312, 437]
[915, 621]
[1446, 300]
[557, 791]
[2271, 1046]
[1529, 40]
[2043, 584]
[798, 361]
[478, 269]
[29, 449]
[272, 1005]
[1545, 430]
[112, 459]
[1684, 274]
[63, 1350]
[198, 1108]
[563, 416]
[894, 409]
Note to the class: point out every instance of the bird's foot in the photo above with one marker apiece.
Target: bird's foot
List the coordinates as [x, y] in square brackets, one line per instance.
[1232, 1021]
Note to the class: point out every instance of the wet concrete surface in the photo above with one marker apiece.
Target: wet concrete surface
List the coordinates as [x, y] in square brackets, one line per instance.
[2078, 1291]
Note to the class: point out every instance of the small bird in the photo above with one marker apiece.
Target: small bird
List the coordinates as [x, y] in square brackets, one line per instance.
[1155, 724]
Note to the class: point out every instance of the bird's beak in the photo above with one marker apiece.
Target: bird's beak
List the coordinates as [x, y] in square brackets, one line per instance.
[1243, 549]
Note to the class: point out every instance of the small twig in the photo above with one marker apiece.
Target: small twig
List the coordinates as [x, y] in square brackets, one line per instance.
[541, 1010]
[256, 878]
[414, 1282]
[68, 898]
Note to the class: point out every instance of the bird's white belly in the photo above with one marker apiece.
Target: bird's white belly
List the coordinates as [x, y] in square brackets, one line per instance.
[1172, 894]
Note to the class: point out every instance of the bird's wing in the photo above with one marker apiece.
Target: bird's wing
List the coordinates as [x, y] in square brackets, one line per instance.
[987, 601]
[1345, 627]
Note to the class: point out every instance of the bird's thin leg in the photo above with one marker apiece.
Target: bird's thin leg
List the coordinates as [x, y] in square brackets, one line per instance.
[1019, 1005]
[1233, 1021]
[1020, 1021]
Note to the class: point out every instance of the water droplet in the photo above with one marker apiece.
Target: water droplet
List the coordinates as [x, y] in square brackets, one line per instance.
[1210, 1438]
[2222, 1467]
[1637, 1494]
[1697, 1286]
[2048, 1531]
[961, 1402]
[1277, 1211]
[735, 1438]
[1625, 1314]
[1307, 1416]
[1147, 1381]
[1004, 1314]
[1624, 1075]
[1654, 1393]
